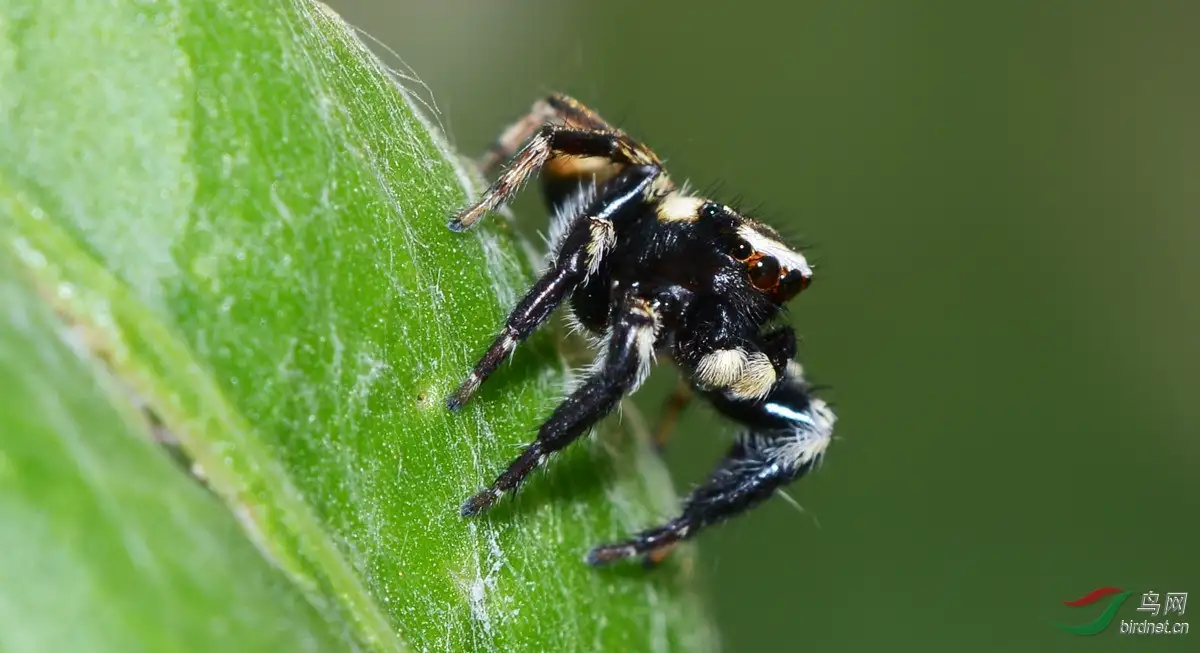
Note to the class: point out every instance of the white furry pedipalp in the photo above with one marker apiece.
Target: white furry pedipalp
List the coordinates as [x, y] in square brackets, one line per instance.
[744, 375]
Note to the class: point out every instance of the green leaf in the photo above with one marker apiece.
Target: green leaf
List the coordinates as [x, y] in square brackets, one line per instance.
[107, 547]
[243, 216]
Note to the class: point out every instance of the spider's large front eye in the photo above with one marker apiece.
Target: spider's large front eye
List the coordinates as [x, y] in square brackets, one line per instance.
[742, 250]
[792, 283]
[764, 273]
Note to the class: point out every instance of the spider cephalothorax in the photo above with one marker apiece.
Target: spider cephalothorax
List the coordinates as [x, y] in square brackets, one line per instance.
[649, 267]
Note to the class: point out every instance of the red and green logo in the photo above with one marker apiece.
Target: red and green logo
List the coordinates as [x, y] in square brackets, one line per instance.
[1098, 625]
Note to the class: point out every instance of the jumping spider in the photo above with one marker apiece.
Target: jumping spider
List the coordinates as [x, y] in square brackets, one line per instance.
[651, 268]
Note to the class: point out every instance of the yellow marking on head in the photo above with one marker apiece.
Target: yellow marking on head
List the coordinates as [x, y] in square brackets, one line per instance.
[660, 187]
[676, 207]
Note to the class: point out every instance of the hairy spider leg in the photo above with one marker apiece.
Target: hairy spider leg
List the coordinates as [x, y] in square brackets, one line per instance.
[788, 434]
[555, 108]
[563, 178]
[548, 142]
[587, 242]
[625, 365]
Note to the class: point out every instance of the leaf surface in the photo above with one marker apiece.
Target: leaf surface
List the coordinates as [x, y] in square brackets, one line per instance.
[244, 217]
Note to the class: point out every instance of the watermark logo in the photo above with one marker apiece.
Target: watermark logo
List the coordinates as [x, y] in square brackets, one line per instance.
[1102, 622]
[1162, 607]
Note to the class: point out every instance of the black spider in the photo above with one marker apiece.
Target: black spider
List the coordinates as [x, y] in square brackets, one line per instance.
[652, 268]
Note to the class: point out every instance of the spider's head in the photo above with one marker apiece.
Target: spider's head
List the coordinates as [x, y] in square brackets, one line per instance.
[771, 266]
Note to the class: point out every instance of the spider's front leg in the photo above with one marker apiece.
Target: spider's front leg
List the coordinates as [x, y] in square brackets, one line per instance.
[592, 235]
[788, 432]
[751, 380]
[552, 140]
[625, 365]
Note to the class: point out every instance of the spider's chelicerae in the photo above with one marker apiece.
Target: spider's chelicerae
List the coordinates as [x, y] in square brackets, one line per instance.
[652, 268]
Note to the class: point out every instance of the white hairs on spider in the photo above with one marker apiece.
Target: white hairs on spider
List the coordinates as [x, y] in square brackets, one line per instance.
[787, 257]
[805, 443]
[566, 214]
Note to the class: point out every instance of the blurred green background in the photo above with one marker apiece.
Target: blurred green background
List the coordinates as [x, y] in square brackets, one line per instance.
[1002, 201]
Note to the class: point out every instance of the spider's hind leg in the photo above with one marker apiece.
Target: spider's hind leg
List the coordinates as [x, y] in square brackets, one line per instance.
[554, 109]
[550, 142]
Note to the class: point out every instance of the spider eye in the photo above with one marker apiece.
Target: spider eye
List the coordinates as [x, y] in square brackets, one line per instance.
[742, 250]
[791, 283]
[764, 273]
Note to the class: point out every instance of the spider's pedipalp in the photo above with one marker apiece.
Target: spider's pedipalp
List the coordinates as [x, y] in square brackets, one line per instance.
[745, 375]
